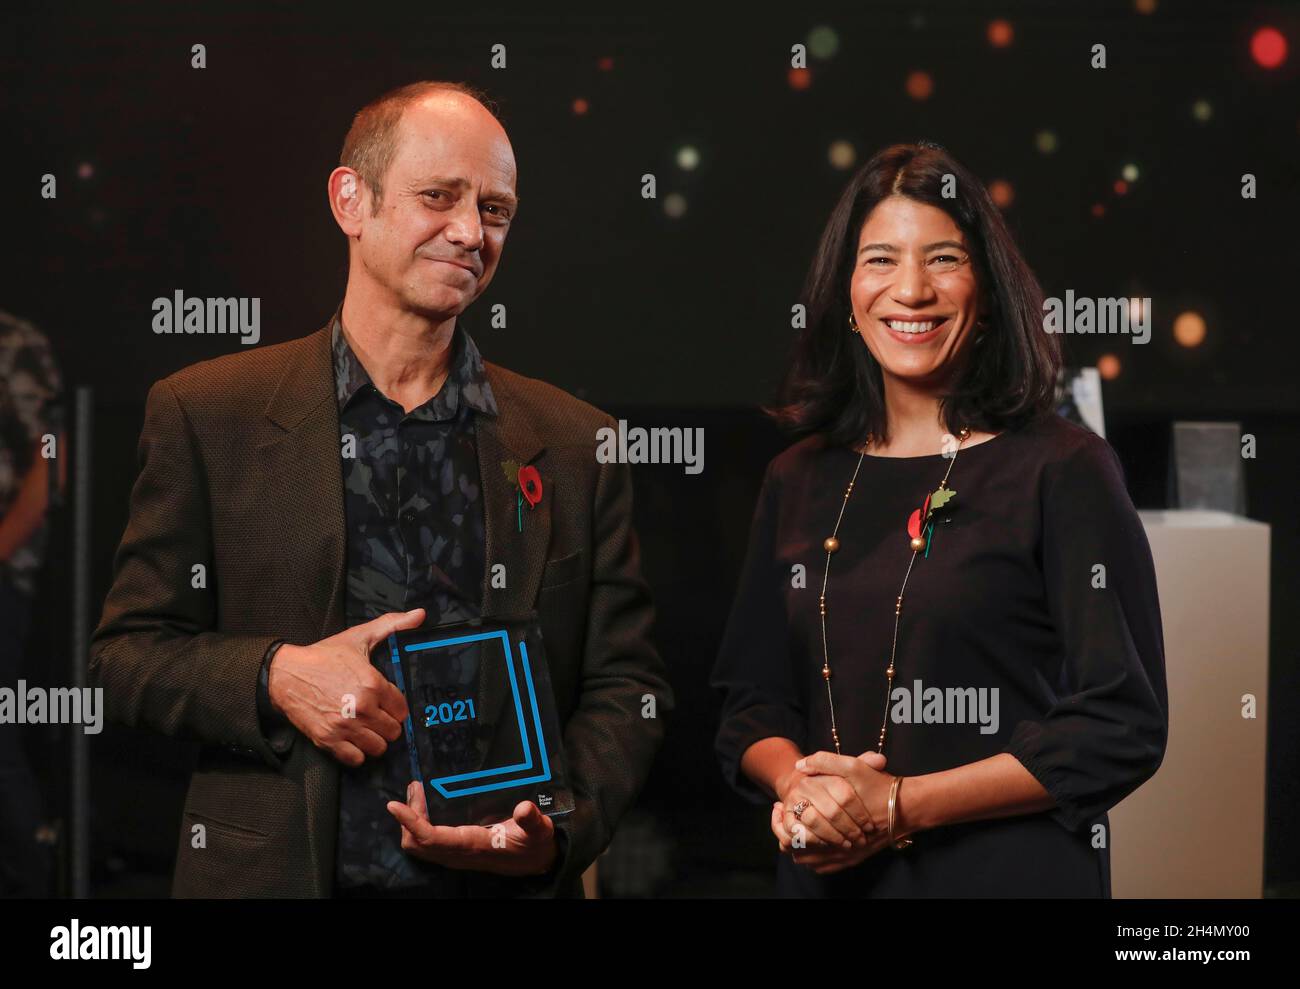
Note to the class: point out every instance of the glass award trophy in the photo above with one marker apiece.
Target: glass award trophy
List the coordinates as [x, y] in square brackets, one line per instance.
[483, 732]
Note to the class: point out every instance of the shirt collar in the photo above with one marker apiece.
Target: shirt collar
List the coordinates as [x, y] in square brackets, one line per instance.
[466, 378]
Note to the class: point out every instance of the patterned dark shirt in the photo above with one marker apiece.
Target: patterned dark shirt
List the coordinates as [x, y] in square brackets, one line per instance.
[416, 539]
[29, 385]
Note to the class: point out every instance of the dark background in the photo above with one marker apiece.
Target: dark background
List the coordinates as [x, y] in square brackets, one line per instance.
[213, 181]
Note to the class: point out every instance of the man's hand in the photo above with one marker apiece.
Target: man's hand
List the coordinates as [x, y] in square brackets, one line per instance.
[334, 695]
[523, 845]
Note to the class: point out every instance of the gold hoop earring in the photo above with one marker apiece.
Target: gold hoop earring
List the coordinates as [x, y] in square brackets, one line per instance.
[853, 324]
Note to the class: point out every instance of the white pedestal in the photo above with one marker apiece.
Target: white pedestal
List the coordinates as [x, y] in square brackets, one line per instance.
[1196, 829]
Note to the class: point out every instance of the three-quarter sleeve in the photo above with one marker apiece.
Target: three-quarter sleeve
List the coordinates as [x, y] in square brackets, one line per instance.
[1104, 734]
[754, 663]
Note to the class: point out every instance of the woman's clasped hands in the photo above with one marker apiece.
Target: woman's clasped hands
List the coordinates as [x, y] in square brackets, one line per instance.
[832, 811]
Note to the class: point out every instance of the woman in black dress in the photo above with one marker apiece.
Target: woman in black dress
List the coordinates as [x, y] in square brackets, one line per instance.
[948, 603]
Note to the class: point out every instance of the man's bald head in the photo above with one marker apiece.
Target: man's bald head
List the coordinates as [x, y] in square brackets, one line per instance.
[438, 169]
[375, 134]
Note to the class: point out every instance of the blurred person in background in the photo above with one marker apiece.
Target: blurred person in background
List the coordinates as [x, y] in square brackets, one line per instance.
[29, 384]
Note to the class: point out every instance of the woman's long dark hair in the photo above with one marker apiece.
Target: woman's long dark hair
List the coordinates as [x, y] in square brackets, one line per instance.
[834, 386]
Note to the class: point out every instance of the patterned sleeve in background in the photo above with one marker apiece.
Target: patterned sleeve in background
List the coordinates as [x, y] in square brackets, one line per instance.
[29, 386]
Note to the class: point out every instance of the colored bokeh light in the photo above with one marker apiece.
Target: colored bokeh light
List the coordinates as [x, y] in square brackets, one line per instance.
[799, 78]
[823, 42]
[1045, 141]
[1001, 33]
[580, 106]
[1108, 367]
[1268, 47]
[919, 85]
[842, 155]
[675, 205]
[1001, 192]
[1189, 329]
[688, 158]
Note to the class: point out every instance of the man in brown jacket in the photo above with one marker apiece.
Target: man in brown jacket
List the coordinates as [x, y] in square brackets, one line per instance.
[297, 503]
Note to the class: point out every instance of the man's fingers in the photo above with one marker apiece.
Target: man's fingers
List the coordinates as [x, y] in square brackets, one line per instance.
[369, 742]
[435, 837]
[465, 839]
[378, 629]
[392, 702]
[531, 820]
[420, 829]
[415, 799]
[384, 724]
[345, 752]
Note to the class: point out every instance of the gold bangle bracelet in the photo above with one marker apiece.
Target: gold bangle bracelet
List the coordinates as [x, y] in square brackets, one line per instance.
[903, 842]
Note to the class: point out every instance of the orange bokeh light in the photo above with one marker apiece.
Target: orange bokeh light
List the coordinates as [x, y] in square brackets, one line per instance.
[1001, 192]
[1189, 329]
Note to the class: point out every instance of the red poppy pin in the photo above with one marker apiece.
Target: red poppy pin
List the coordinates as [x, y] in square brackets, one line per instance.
[920, 524]
[528, 486]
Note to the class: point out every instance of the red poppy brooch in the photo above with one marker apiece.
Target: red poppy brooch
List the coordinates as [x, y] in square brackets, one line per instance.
[528, 486]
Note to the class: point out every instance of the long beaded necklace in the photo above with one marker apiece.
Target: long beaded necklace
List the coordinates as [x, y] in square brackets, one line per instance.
[920, 527]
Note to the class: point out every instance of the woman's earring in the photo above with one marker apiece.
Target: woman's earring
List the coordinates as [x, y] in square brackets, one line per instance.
[853, 324]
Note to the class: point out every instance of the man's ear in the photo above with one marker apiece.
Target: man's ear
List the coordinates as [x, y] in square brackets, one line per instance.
[347, 196]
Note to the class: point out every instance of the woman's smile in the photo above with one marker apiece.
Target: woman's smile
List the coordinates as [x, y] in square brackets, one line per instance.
[913, 330]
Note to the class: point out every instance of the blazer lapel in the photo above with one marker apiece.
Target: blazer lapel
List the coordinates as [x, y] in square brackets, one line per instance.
[518, 537]
[304, 473]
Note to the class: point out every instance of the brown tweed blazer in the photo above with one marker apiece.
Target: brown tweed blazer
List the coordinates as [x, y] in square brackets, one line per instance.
[240, 471]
